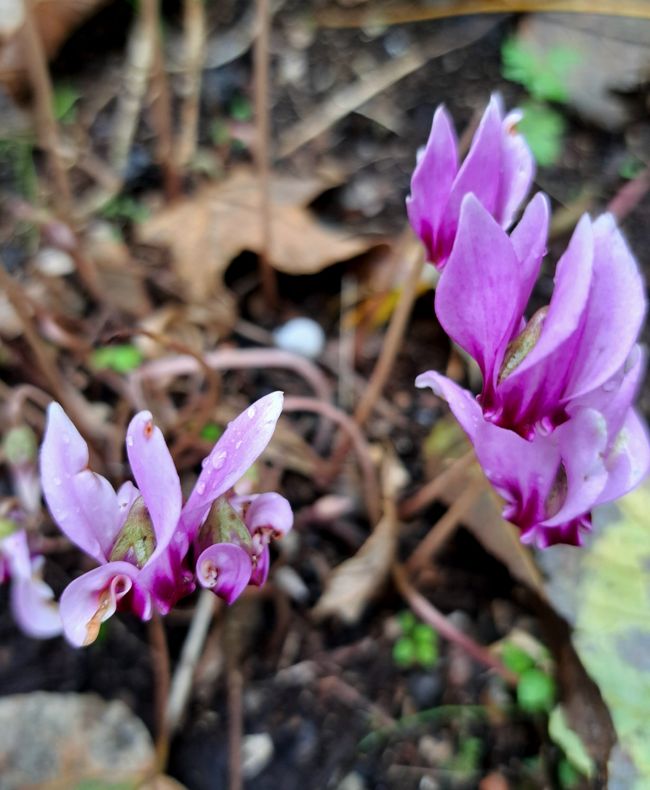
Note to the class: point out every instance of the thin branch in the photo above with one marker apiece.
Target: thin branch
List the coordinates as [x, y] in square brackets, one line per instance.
[425, 610]
[161, 675]
[162, 107]
[181, 684]
[400, 15]
[432, 490]
[235, 726]
[357, 440]
[46, 125]
[630, 195]
[262, 112]
[193, 58]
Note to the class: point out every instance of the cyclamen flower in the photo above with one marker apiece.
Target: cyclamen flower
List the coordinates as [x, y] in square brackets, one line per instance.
[498, 170]
[32, 603]
[551, 483]
[140, 536]
[534, 371]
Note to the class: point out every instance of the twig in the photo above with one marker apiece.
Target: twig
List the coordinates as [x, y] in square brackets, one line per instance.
[46, 124]
[193, 57]
[71, 400]
[428, 612]
[261, 62]
[389, 350]
[162, 108]
[161, 676]
[432, 490]
[190, 654]
[235, 726]
[443, 528]
[630, 195]
[370, 483]
[399, 15]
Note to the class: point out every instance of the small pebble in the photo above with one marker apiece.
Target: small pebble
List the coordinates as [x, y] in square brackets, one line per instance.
[53, 262]
[353, 781]
[257, 753]
[301, 336]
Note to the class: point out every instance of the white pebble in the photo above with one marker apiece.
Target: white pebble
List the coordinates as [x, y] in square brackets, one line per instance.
[301, 336]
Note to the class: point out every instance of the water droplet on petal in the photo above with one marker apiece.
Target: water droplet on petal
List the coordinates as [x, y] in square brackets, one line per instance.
[238, 444]
[251, 412]
[200, 488]
[219, 460]
[129, 441]
[57, 481]
[66, 438]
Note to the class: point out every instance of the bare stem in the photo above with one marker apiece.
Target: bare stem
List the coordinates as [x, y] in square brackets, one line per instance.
[47, 127]
[428, 612]
[193, 56]
[262, 111]
[432, 490]
[161, 675]
[390, 348]
[162, 108]
[357, 440]
[235, 726]
[181, 684]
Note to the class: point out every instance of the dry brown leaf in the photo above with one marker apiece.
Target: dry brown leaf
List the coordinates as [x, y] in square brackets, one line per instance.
[55, 20]
[206, 231]
[356, 581]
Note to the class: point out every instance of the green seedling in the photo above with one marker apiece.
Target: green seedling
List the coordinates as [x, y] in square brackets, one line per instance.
[418, 644]
[535, 691]
[121, 358]
[543, 74]
[544, 128]
[65, 100]
[211, 432]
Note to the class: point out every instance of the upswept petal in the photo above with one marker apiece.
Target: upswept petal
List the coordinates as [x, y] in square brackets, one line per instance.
[265, 511]
[33, 608]
[461, 402]
[528, 240]
[582, 442]
[477, 298]
[225, 569]
[82, 503]
[243, 441]
[628, 461]
[480, 173]
[615, 310]
[156, 476]
[92, 598]
[518, 170]
[431, 182]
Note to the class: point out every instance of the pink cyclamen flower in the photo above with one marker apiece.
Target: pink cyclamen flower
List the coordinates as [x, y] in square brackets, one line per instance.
[498, 170]
[32, 603]
[141, 536]
[551, 483]
[534, 371]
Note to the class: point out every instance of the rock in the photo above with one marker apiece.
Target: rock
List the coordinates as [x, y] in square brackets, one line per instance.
[257, 753]
[70, 737]
[353, 781]
[301, 336]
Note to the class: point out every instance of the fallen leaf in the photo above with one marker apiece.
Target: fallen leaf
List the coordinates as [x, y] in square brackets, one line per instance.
[206, 231]
[55, 21]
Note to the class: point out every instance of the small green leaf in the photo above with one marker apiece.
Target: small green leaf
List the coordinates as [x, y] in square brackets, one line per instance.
[630, 167]
[20, 445]
[544, 130]
[569, 741]
[64, 99]
[120, 358]
[535, 691]
[211, 432]
[7, 527]
[424, 634]
[567, 775]
[543, 74]
[241, 109]
[516, 659]
[426, 654]
[404, 652]
[407, 621]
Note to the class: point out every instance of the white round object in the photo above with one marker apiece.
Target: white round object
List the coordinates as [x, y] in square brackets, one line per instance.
[301, 336]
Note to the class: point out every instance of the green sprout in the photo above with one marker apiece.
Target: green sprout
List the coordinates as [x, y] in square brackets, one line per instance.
[211, 432]
[121, 358]
[418, 644]
[543, 74]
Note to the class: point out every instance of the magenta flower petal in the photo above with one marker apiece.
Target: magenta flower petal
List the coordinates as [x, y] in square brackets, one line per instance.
[528, 240]
[481, 172]
[518, 170]
[156, 476]
[628, 460]
[33, 608]
[82, 503]
[225, 569]
[92, 598]
[614, 313]
[261, 570]
[431, 183]
[582, 443]
[243, 441]
[270, 511]
[478, 295]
